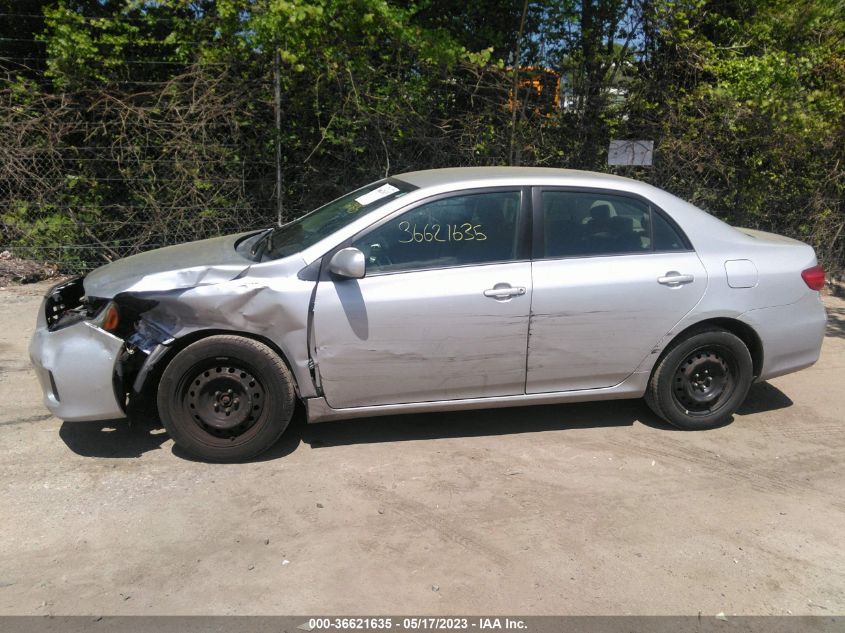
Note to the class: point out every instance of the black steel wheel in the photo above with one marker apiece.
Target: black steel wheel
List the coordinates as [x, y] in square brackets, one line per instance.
[226, 398]
[701, 380]
[704, 380]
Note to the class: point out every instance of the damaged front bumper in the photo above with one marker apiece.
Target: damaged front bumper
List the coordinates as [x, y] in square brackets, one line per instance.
[78, 368]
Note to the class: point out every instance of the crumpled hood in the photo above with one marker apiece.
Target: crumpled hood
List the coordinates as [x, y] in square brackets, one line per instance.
[188, 265]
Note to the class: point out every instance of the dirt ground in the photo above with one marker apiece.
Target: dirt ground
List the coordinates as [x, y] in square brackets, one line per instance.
[576, 509]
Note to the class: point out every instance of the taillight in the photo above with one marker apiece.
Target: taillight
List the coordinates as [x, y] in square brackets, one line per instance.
[814, 277]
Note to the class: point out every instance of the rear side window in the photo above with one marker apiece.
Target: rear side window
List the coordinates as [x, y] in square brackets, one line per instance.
[579, 224]
[472, 229]
[666, 238]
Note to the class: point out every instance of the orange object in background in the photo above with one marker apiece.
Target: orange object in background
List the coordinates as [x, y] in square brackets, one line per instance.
[539, 88]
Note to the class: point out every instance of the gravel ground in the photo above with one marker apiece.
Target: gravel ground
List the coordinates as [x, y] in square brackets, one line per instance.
[575, 509]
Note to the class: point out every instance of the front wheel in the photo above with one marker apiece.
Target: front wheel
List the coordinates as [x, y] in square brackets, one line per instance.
[226, 398]
[701, 381]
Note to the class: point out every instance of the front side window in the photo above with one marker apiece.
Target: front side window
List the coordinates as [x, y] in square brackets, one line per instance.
[471, 229]
[579, 224]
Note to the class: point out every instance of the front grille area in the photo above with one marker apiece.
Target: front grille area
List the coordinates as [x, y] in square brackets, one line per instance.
[62, 299]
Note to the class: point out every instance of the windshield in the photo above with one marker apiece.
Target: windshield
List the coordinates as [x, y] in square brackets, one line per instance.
[320, 223]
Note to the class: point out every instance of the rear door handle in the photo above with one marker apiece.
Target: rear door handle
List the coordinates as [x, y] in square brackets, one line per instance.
[674, 278]
[504, 291]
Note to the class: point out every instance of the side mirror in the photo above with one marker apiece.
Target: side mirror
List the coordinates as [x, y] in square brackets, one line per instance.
[348, 263]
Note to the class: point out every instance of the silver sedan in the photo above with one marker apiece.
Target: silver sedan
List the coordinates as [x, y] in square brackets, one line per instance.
[431, 291]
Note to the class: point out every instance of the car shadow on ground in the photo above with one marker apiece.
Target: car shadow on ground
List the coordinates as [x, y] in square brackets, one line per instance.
[112, 438]
[762, 397]
[120, 439]
[478, 423]
[507, 421]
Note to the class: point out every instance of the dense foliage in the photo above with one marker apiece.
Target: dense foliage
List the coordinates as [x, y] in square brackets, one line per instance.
[126, 124]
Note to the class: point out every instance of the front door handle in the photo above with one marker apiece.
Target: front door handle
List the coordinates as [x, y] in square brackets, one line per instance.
[674, 278]
[504, 291]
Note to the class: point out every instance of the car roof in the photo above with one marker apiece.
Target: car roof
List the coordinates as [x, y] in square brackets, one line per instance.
[491, 176]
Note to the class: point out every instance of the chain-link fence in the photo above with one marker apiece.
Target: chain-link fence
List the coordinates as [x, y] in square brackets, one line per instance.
[159, 152]
[96, 173]
[87, 177]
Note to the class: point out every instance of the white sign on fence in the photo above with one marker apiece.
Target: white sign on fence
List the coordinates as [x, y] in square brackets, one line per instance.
[630, 153]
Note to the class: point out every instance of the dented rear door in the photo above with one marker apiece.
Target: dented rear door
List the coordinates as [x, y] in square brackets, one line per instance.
[595, 319]
[613, 274]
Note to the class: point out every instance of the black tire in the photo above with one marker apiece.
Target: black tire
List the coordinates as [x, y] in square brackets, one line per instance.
[226, 398]
[701, 380]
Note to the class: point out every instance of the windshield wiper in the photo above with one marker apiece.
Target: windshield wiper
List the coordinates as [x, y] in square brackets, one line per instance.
[261, 244]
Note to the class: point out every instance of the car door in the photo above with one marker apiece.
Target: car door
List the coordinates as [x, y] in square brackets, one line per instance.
[612, 275]
[442, 311]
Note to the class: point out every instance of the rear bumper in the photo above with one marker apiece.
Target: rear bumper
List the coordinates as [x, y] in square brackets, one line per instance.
[792, 335]
[76, 368]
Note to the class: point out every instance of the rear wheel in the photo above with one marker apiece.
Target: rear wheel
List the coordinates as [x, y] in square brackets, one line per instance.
[701, 381]
[226, 398]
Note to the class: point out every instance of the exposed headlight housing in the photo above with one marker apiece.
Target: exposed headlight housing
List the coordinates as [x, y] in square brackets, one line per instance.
[108, 318]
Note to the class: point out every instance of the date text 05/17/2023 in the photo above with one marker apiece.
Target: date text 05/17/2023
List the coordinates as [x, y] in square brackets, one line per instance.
[417, 623]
